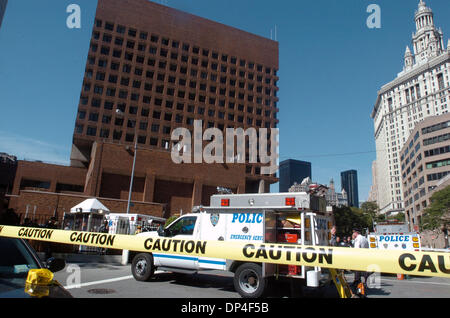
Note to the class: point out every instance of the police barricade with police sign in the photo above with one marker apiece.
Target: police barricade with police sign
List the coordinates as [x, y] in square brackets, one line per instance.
[388, 261]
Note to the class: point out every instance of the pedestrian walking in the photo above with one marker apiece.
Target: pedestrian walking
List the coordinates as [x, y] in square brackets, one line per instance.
[360, 242]
[104, 228]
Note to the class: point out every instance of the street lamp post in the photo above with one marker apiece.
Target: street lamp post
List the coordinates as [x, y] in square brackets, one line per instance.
[125, 253]
[132, 172]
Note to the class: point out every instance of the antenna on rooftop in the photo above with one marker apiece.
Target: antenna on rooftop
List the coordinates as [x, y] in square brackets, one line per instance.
[272, 33]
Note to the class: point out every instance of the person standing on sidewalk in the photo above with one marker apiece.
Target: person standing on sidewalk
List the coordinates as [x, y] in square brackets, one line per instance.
[333, 240]
[360, 242]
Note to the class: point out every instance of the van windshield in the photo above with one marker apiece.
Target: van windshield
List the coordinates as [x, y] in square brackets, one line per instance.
[183, 226]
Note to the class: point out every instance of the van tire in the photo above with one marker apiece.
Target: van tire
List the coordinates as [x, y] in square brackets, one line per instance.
[142, 267]
[249, 281]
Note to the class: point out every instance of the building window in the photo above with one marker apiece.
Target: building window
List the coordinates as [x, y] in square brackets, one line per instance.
[131, 123]
[79, 129]
[129, 137]
[106, 119]
[93, 117]
[143, 125]
[437, 176]
[27, 183]
[440, 79]
[132, 32]
[117, 135]
[120, 29]
[155, 128]
[98, 90]
[142, 139]
[168, 117]
[153, 141]
[91, 131]
[437, 164]
[133, 110]
[104, 133]
[108, 105]
[145, 112]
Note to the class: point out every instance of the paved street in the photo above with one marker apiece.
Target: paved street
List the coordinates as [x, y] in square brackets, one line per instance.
[116, 281]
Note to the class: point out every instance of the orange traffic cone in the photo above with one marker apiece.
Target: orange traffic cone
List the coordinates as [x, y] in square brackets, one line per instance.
[400, 276]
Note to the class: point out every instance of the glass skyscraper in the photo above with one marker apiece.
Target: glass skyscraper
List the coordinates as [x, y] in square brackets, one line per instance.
[349, 182]
[3, 4]
[293, 171]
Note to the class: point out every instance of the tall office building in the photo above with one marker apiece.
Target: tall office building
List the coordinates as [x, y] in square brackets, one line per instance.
[349, 183]
[292, 171]
[425, 160]
[151, 69]
[3, 4]
[372, 197]
[147, 76]
[419, 91]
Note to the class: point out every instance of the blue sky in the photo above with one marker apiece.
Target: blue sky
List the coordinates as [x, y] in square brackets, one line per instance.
[331, 67]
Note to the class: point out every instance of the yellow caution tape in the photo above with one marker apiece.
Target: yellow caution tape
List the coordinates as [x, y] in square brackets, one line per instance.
[384, 261]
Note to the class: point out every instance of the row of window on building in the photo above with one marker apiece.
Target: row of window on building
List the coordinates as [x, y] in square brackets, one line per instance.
[145, 38]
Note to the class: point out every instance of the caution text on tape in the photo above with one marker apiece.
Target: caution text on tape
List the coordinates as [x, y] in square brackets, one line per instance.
[385, 261]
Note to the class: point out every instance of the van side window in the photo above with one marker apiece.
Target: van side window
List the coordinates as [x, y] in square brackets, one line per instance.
[184, 226]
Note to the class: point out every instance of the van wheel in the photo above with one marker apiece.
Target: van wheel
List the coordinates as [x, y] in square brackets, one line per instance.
[249, 281]
[142, 267]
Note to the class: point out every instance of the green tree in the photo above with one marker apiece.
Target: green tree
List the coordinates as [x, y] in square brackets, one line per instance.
[370, 210]
[349, 218]
[171, 219]
[437, 215]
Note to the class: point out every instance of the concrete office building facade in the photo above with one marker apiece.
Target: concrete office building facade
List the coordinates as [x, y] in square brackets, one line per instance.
[425, 164]
[421, 90]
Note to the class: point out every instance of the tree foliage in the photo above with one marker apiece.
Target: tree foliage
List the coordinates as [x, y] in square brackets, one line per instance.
[347, 219]
[171, 219]
[437, 215]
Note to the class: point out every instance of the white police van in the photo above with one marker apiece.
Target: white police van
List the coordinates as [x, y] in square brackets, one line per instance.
[390, 235]
[297, 218]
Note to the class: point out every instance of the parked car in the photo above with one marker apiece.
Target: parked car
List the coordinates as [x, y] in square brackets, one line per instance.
[17, 258]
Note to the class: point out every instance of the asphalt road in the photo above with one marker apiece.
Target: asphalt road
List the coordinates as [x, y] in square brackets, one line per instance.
[90, 280]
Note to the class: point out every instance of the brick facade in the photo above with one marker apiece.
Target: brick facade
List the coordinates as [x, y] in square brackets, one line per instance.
[160, 187]
[151, 69]
[49, 204]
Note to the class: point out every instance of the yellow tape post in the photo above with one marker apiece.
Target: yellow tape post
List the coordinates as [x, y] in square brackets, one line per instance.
[383, 261]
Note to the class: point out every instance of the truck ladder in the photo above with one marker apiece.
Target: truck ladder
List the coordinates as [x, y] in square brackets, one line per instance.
[342, 286]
